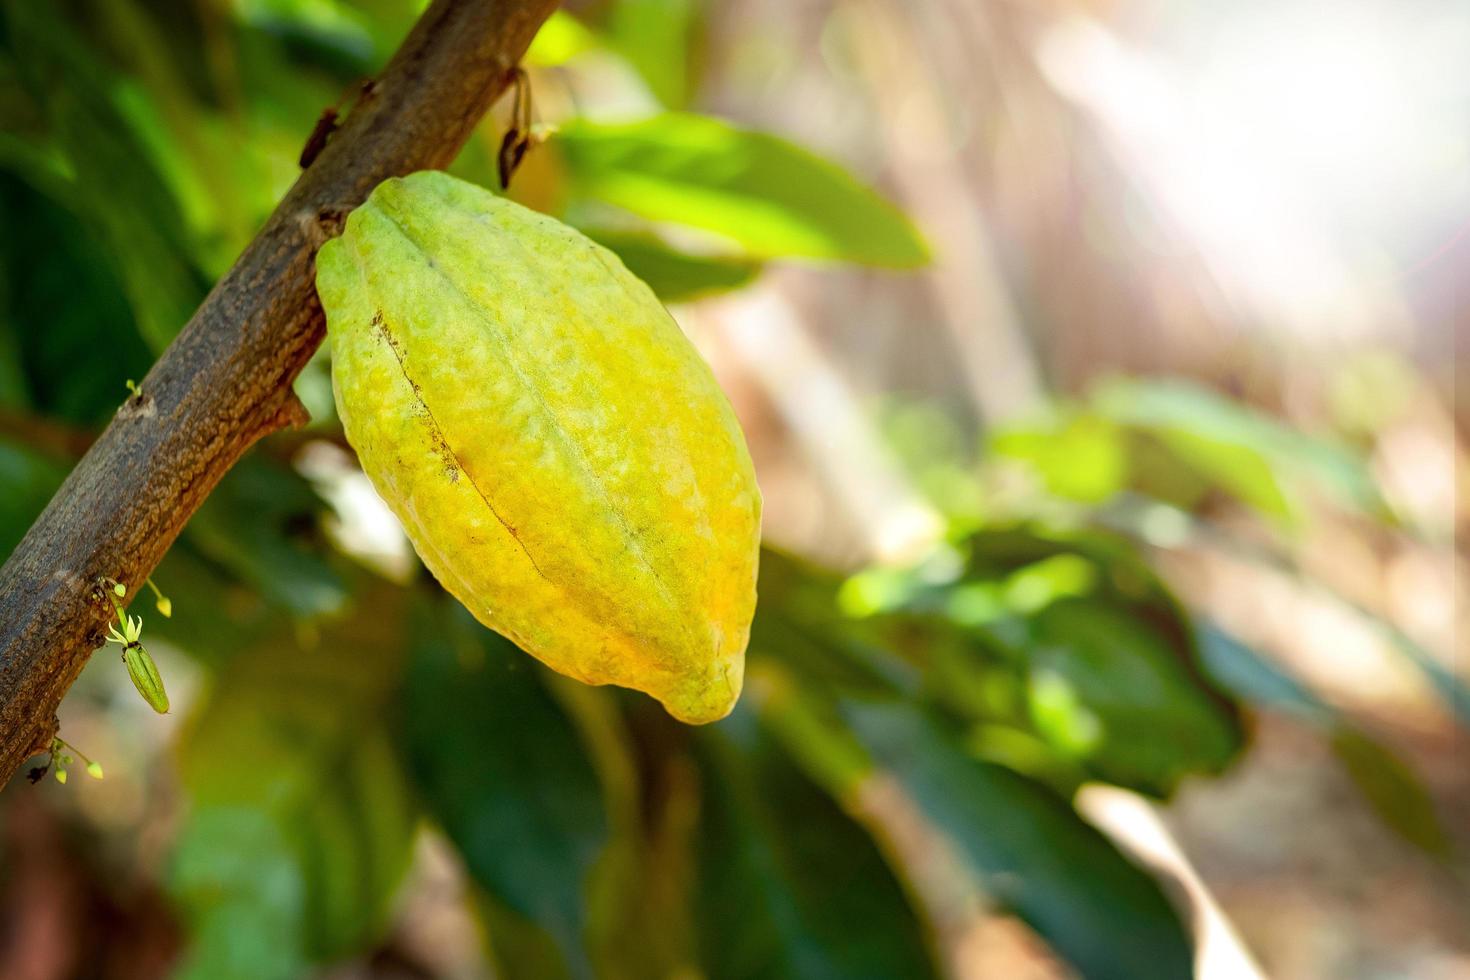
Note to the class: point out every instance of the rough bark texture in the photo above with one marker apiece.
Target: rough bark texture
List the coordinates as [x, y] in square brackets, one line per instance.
[225, 381]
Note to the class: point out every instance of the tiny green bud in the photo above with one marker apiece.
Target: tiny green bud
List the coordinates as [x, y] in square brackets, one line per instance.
[94, 769]
[119, 589]
[61, 776]
[145, 678]
[165, 606]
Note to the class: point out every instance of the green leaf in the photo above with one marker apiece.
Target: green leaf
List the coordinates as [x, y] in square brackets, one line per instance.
[1452, 690]
[1106, 688]
[1390, 786]
[768, 195]
[261, 523]
[29, 481]
[1246, 674]
[799, 624]
[1242, 449]
[660, 38]
[937, 452]
[505, 773]
[242, 881]
[674, 276]
[516, 945]
[640, 903]
[1031, 851]
[302, 823]
[330, 34]
[1240, 470]
[1068, 634]
[1077, 456]
[215, 617]
[64, 318]
[561, 38]
[1392, 789]
[791, 886]
[117, 189]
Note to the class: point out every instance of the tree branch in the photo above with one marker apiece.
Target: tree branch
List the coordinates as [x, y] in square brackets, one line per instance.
[225, 381]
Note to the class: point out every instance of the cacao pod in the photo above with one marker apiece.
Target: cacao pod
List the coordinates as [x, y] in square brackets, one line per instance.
[560, 456]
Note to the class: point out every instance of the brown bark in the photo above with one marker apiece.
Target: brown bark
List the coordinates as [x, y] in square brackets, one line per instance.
[225, 381]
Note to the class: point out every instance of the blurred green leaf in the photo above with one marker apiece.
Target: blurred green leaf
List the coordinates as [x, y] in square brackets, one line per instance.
[1241, 448]
[29, 481]
[167, 99]
[31, 157]
[820, 653]
[1078, 456]
[1389, 785]
[1000, 550]
[1453, 691]
[937, 451]
[12, 379]
[661, 39]
[1124, 577]
[262, 523]
[791, 886]
[798, 624]
[216, 615]
[504, 772]
[1031, 851]
[1032, 588]
[1105, 688]
[116, 187]
[640, 906]
[516, 945]
[1246, 674]
[242, 879]
[674, 276]
[301, 823]
[762, 192]
[1067, 633]
[1177, 527]
[805, 720]
[1238, 469]
[1105, 657]
[1392, 789]
[62, 313]
[332, 34]
[559, 40]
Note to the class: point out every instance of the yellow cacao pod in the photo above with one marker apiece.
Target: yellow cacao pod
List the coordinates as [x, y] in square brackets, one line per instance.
[559, 455]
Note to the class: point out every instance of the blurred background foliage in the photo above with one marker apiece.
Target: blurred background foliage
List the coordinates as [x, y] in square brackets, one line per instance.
[1107, 617]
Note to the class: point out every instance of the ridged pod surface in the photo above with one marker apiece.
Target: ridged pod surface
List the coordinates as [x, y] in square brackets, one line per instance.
[555, 448]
